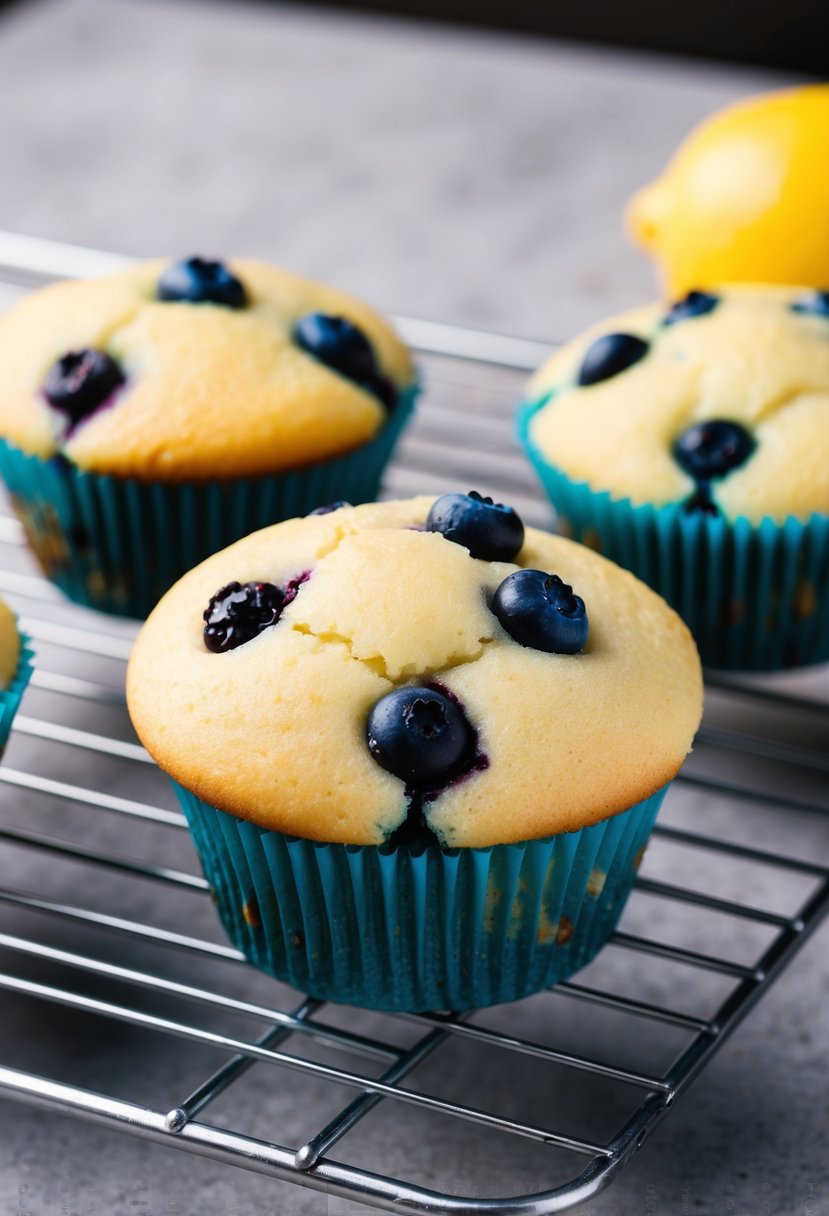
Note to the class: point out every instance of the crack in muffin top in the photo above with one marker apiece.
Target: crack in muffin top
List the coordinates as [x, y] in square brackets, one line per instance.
[288, 727]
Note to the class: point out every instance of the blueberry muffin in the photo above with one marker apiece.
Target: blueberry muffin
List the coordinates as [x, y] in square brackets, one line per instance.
[691, 444]
[15, 670]
[420, 750]
[152, 416]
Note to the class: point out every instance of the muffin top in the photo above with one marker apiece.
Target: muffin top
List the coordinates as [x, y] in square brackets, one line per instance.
[415, 666]
[720, 403]
[9, 645]
[195, 370]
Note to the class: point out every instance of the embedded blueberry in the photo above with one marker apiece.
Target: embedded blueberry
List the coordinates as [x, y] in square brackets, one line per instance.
[713, 448]
[486, 528]
[329, 507]
[201, 281]
[420, 735]
[609, 355]
[237, 613]
[816, 304]
[540, 611]
[80, 381]
[338, 344]
[695, 304]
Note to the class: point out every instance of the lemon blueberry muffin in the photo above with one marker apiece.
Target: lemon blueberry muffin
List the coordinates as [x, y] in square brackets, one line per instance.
[15, 670]
[420, 750]
[691, 444]
[154, 415]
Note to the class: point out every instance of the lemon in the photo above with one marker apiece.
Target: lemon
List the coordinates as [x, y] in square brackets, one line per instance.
[745, 198]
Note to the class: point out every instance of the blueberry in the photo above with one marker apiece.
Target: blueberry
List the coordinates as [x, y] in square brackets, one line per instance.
[329, 507]
[421, 736]
[486, 528]
[80, 381]
[237, 613]
[816, 304]
[694, 304]
[609, 355]
[340, 345]
[713, 448]
[336, 343]
[201, 281]
[540, 610]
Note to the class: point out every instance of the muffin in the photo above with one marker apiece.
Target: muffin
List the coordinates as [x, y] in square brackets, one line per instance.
[691, 445]
[15, 670]
[420, 751]
[153, 416]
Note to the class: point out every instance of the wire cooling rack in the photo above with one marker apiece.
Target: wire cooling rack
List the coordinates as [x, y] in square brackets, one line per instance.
[110, 949]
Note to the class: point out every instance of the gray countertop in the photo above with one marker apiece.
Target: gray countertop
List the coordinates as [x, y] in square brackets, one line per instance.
[460, 176]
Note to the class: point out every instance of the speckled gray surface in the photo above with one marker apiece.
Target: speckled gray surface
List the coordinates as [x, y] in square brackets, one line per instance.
[464, 177]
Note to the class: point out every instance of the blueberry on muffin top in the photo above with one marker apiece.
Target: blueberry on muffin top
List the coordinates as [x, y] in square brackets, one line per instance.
[196, 369]
[331, 676]
[198, 280]
[719, 403]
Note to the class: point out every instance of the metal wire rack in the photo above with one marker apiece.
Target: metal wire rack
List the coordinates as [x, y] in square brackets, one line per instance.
[93, 933]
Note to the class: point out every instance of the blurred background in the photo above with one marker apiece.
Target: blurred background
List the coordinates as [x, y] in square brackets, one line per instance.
[443, 171]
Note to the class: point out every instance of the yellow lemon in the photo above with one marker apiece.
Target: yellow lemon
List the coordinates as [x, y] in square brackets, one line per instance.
[745, 198]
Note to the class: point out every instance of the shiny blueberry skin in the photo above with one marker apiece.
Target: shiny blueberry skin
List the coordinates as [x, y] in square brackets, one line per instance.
[337, 343]
[816, 305]
[201, 281]
[340, 345]
[712, 449]
[695, 304]
[80, 381]
[236, 614]
[610, 355]
[486, 528]
[540, 611]
[421, 736]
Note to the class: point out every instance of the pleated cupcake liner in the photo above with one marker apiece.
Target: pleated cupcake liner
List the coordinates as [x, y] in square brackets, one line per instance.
[117, 544]
[755, 596]
[11, 697]
[396, 928]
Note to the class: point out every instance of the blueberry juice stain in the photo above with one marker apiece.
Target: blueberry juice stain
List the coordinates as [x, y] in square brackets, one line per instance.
[701, 501]
[293, 585]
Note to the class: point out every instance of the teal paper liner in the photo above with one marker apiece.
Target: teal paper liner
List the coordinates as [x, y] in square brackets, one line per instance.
[11, 697]
[755, 596]
[400, 929]
[117, 544]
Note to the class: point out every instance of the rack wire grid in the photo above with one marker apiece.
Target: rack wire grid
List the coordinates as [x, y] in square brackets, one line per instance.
[112, 950]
